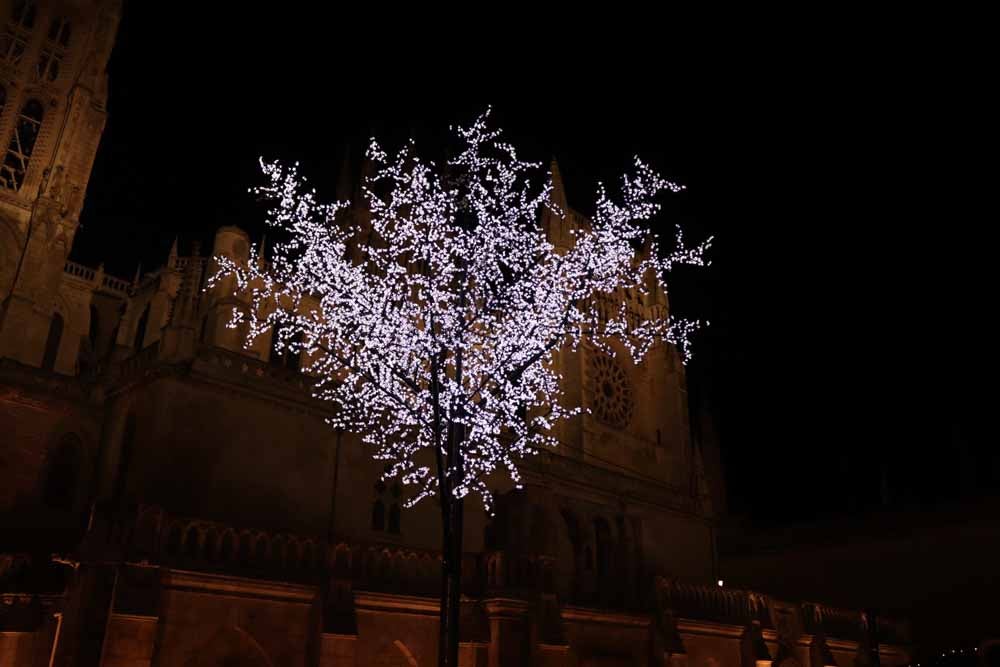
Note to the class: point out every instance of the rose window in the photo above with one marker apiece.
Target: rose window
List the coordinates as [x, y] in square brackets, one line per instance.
[610, 390]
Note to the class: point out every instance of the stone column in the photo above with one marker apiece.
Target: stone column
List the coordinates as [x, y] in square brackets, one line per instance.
[129, 641]
[130, 638]
[509, 632]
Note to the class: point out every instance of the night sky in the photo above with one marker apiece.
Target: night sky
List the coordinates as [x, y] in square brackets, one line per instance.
[846, 296]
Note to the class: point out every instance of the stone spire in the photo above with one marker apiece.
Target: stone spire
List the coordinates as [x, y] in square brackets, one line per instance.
[345, 185]
[558, 194]
[172, 255]
[262, 252]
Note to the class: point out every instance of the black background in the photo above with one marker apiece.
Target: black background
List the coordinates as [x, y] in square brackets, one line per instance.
[835, 164]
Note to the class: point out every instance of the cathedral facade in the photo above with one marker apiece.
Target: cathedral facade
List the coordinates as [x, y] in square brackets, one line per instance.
[170, 497]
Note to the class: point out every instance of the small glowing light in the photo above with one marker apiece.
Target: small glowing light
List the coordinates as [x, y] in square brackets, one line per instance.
[720, 582]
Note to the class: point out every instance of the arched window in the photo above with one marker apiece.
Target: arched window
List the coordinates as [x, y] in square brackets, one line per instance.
[284, 358]
[378, 515]
[140, 330]
[293, 360]
[59, 31]
[394, 518]
[602, 536]
[54, 50]
[174, 540]
[14, 40]
[387, 502]
[22, 143]
[580, 558]
[52, 342]
[95, 327]
[125, 457]
[62, 479]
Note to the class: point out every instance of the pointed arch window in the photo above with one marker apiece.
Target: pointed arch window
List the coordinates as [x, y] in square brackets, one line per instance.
[62, 479]
[386, 509]
[22, 144]
[54, 50]
[52, 343]
[602, 542]
[94, 329]
[378, 515]
[17, 31]
[140, 330]
[284, 358]
[125, 458]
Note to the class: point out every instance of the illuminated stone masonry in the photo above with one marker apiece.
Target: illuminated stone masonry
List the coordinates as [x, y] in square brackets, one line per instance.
[189, 588]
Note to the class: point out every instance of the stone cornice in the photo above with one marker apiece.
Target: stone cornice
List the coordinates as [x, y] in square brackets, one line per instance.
[690, 626]
[506, 607]
[366, 601]
[135, 617]
[220, 584]
[606, 617]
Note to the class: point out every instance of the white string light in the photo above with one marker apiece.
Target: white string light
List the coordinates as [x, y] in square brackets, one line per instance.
[449, 264]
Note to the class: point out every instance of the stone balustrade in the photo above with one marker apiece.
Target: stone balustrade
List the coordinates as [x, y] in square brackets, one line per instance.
[98, 277]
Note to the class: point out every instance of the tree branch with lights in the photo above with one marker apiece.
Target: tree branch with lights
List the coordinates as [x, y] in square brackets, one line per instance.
[431, 322]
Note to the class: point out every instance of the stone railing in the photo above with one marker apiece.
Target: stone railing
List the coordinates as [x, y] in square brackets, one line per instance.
[110, 283]
[195, 544]
[117, 284]
[390, 568]
[743, 607]
[80, 271]
[852, 624]
[840, 623]
[727, 605]
[208, 545]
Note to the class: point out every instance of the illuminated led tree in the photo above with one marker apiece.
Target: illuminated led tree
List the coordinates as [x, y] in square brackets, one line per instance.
[431, 323]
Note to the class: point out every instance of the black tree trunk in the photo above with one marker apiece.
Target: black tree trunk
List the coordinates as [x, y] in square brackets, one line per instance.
[451, 582]
[452, 521]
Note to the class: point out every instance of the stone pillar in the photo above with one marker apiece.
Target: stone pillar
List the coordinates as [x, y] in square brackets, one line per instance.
[20, 648]
[27, 631]
[129, 641]
[339, 637]
[509, 632]
[130, 638]
[473, 654]
[554, 655]
[337, 650]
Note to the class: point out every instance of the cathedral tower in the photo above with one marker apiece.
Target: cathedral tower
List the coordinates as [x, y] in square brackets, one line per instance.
[53, 97]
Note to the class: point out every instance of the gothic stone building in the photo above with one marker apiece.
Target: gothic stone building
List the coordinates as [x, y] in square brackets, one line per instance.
[169, 498]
